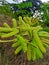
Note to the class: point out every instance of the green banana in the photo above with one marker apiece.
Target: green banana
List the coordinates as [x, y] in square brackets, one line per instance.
[38, 41]
[25, 19]
[18, 49]
[1, 34]
[45, 40]
[1, 41]
[43, 34]
[6, 25]
[21, 22]
[36, 49]
[23, 42]
[14, 23]
[16, 44]
[28, 53]
[39, 53]
[33, 55]
[9, 34]
[46, 45]
[29, 20]
[33, 42]
[2, 29]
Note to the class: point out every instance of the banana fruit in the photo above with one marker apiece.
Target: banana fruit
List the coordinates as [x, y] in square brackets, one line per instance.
[38, 41]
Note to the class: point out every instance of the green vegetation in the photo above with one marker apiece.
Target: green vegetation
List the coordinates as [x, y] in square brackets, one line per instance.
[30, 35]
[6, 10]
[24, 5]
[45, 15]
[34, 45]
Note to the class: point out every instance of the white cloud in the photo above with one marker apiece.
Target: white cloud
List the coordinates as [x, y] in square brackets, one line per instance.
[10, 1]
[18, 1]
[44, 0]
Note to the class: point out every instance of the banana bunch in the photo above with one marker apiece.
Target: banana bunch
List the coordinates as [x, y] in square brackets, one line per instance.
[20, 43]
[27, 21]
[26, 24]
[38, 45]
[6, 31]
[33, 47]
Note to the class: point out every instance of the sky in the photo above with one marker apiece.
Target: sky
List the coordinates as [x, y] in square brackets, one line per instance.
[11, 1]
[44, 0]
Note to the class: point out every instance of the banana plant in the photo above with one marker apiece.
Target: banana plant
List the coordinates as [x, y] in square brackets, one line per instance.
[36, 42]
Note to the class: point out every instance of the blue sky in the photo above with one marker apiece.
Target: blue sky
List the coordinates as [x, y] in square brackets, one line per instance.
[11, 1]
